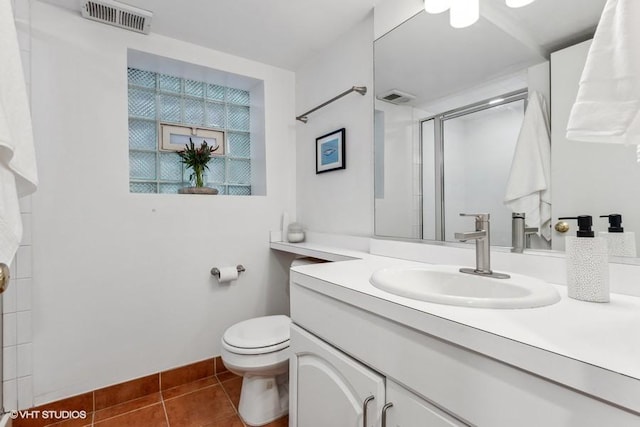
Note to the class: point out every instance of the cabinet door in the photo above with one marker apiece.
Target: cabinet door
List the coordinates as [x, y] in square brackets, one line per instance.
[409, 410]
[328, 388]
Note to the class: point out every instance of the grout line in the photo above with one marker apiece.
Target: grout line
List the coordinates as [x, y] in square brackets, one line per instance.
[127, 412]
[164, 407]
[218, 379]
[193, 391]
[229, 399]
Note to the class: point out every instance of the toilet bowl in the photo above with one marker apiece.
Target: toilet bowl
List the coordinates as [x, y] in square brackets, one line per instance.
[258, 350]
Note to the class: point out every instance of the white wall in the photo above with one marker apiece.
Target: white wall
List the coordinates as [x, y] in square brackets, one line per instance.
[395, 213]
[391, 13]
[122, 285]
[339, 201]
[588, 178]
[16, 300]
[539, 79]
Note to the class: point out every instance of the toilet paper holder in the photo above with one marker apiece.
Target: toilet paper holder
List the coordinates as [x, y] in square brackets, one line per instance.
[215, 271]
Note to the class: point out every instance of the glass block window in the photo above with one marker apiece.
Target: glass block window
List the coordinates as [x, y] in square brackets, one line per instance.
[156, 98]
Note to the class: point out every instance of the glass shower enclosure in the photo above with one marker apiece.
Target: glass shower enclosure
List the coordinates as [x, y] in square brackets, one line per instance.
[466, 159]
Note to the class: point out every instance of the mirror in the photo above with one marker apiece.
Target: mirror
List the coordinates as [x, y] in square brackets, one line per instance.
[449, 107]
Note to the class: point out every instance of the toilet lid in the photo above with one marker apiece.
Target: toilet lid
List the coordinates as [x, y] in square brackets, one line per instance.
[258, 333]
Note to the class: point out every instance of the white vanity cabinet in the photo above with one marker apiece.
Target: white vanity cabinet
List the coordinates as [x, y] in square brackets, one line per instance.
[405, 409]
[330, 388]
[347, 346]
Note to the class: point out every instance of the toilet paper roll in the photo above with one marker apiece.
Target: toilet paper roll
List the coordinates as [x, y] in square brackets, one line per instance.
[227, 274]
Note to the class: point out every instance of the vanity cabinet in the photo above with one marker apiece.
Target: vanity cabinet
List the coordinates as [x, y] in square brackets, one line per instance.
[329, 388]
[343, 353]
[409, 410]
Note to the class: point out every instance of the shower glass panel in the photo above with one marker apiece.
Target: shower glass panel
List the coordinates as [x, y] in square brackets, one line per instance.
[430, 210]
[477, 150]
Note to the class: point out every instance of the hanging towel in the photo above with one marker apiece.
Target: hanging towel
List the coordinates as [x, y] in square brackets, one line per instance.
[607, 108]
[529, 184]
[18, 176]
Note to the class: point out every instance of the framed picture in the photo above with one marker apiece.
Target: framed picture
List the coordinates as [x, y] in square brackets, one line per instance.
[173, 137]
[330, 151]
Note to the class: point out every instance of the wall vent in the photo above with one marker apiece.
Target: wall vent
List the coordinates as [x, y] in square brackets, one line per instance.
[396, 97]
[118, 14]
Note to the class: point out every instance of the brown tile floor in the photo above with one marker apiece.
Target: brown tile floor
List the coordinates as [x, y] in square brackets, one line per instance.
[207, 402]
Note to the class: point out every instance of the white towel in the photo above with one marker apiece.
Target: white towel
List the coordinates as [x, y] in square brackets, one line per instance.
[18, 176]
[529, 184]
[607, 108]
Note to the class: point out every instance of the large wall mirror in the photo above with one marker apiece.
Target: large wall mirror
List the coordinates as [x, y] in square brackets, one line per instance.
[449, 109]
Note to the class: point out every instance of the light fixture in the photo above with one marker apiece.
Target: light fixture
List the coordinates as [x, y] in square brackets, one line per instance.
[496, 101]
[464, 13]
[518, 3]
[436, 6]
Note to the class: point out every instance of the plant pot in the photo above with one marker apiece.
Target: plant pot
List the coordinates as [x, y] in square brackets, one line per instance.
[197, 190]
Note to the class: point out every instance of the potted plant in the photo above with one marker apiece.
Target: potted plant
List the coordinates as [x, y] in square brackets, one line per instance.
[197, 159]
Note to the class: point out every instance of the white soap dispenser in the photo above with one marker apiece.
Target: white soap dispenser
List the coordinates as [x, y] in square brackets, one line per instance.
[621, 243]
[587, 263]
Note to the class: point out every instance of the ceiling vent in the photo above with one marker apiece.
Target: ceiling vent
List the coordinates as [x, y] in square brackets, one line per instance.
[118, 14]
[396, 97]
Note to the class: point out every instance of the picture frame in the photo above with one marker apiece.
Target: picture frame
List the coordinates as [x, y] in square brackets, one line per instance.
[331, 151]
[173, 137]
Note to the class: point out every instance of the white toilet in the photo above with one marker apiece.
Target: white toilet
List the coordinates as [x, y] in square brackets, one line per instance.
[258, 350]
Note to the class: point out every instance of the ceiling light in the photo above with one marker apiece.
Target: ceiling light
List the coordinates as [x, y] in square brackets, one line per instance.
[436, 6]
[518, 3]
[464, 13]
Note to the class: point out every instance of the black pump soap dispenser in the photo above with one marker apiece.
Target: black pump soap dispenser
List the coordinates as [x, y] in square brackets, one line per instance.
[585, 222]
[620, 243]
[587, 261]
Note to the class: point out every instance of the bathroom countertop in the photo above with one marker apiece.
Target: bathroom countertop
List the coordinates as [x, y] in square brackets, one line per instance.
[327, 253]
[594, 348]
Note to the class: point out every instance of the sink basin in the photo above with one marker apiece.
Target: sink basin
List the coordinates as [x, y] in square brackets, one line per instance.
[444, 284]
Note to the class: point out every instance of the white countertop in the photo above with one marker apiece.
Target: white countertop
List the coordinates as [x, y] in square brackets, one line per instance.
[592, 347]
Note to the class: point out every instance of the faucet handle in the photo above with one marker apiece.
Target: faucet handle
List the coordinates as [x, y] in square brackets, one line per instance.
[484, 217]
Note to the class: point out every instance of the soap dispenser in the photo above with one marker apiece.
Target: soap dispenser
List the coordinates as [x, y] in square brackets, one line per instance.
[587, 263]
[620, 243]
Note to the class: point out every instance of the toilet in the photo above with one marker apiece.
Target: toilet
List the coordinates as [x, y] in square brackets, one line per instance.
[258, 350]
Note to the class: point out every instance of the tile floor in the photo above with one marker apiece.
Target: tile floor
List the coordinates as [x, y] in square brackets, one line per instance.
[209, 401]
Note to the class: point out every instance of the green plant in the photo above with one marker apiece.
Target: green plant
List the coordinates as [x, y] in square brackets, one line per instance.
[196, 159]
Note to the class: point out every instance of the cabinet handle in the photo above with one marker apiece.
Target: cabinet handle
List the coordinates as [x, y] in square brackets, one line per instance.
[364, 409]
[385, 408]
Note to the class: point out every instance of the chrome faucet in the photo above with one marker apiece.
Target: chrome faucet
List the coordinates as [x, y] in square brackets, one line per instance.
[520, 233]
[482, 236]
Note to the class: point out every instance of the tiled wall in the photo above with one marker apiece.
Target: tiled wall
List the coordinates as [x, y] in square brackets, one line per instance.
[17, 340]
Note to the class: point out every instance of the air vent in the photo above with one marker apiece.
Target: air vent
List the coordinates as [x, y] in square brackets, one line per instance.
[118, 14]
[396, 97]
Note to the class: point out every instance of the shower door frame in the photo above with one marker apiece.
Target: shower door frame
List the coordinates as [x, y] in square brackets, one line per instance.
[438, 166]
